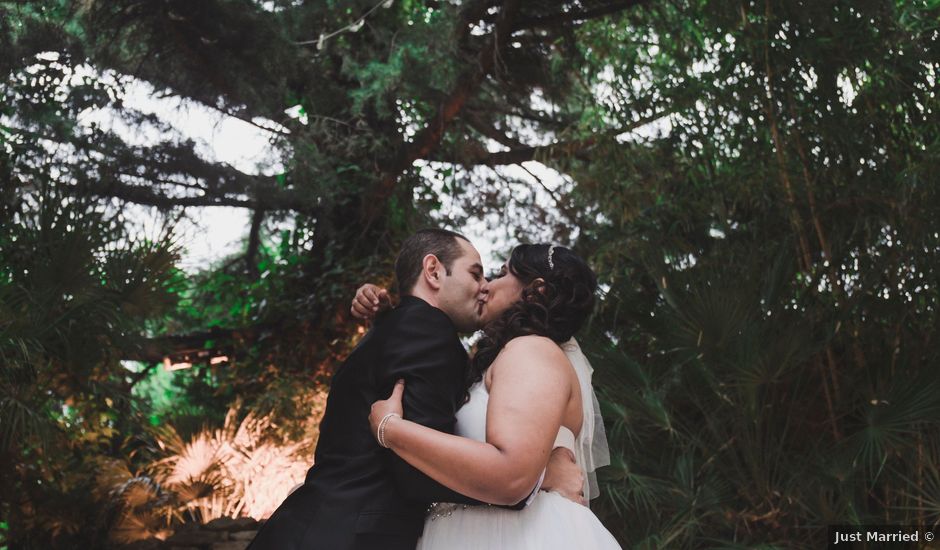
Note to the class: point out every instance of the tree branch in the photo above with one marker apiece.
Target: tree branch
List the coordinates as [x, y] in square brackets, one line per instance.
[579, 16]
[193, 347]
[552, 151]
[489, 130]
[254, 240]
[139, 194]
[222, 184]
[429, 138]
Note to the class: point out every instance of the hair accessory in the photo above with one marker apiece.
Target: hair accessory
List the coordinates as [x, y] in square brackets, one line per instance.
[551, 259]
[380, 433]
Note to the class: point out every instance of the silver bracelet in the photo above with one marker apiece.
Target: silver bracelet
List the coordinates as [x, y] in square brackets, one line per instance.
[380, 432]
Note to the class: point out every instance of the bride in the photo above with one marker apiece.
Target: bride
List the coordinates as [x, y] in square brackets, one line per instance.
[529, 392]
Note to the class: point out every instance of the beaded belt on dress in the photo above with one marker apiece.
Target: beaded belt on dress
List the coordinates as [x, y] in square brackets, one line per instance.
[444, 509]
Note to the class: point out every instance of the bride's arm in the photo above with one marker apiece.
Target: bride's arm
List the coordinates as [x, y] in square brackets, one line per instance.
[530, 388]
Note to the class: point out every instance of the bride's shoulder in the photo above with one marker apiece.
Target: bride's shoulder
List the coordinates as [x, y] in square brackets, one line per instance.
[531, 340]
[533, 345]
[526, 356]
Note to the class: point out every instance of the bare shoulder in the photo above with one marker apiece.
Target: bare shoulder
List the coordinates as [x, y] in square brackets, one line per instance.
[533, 343]
[524, 352]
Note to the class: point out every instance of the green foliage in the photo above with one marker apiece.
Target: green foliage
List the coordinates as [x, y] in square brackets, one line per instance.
[771, 261]
[76, 292]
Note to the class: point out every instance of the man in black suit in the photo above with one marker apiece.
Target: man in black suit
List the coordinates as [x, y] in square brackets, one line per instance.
[359, 495]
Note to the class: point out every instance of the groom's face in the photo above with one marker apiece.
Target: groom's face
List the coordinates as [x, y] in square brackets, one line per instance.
[462, 292]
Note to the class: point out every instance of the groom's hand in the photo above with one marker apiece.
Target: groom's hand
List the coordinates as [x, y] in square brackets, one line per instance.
[564, 476]
[369, 301]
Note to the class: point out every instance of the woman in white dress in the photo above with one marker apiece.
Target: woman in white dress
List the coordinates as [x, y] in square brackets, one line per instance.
[530, 391]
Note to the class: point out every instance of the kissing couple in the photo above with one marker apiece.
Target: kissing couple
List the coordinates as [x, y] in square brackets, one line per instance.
[467, 453]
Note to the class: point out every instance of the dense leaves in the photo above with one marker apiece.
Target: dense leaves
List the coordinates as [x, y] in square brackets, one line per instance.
[76, 290]
[772, 264]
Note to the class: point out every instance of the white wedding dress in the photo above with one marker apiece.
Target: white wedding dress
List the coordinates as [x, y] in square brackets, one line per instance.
[550, 521]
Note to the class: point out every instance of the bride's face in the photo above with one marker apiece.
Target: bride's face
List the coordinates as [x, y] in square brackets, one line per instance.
[505, 289]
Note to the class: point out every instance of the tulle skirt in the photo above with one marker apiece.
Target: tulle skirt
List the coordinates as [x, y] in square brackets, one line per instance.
[549, 522]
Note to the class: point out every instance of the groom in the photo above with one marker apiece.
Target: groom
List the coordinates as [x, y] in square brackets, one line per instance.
[358, 495]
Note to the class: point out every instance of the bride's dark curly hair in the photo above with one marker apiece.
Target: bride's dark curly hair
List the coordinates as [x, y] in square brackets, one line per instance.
[555, 308]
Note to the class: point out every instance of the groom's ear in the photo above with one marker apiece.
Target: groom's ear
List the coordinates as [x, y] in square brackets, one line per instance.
[431, 269]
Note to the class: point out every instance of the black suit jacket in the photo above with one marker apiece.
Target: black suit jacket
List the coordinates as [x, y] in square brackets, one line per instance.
[358, 495]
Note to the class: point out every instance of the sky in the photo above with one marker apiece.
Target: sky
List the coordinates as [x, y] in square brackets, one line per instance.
[210, 233]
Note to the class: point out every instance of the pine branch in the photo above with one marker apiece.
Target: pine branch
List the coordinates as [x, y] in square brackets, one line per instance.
[556, 150]
[489, 130]
[575, 16]
[195, 346]
[254, 241]
[221, 184]
[145, 195]
[429, 138]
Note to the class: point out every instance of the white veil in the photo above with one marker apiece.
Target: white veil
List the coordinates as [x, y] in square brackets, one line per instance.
[591, 450]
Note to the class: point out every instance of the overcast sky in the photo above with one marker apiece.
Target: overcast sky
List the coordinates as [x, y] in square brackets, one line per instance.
[210, 233]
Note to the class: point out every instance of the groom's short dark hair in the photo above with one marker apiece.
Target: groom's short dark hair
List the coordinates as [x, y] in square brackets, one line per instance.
[440, 242]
